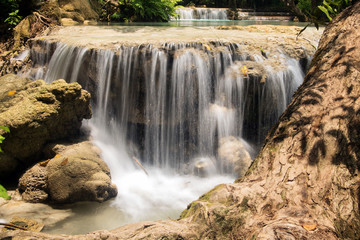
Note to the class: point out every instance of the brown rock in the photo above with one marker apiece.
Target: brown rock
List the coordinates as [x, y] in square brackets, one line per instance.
[34, 185]
[76, 173]
[37, 113]
[78, 10]
[234, 155]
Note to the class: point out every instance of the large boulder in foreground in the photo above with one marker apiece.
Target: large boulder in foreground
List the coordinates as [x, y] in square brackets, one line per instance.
[36, 114]
[75, 173]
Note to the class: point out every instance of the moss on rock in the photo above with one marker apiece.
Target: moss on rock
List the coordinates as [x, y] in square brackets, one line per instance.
[36, 114]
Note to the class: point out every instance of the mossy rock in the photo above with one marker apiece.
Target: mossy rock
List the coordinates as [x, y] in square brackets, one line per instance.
[36, 114]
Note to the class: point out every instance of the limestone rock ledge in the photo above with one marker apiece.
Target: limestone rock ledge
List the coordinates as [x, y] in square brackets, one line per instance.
[36, 114]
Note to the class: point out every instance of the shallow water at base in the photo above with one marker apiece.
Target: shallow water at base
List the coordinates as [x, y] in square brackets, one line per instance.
[158, 196]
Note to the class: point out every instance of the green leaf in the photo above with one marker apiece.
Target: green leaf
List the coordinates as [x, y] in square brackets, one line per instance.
[324, 10]
[5, 128]
[328, 7]
[3, 193]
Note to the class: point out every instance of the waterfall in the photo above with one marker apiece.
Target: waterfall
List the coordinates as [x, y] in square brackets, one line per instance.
[202, 14]
[171, 103]
[171, 106]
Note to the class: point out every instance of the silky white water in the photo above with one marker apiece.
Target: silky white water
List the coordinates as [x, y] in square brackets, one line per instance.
[167, 105]
[202, 14]
[161, 194]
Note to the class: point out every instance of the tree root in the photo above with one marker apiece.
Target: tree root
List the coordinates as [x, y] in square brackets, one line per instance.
[9, 225]
[42, 19]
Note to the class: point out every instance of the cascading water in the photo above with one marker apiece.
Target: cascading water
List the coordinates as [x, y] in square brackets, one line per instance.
[170, 105]
[202, 14]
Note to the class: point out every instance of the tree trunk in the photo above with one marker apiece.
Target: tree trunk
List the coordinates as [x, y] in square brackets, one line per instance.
[305, 182]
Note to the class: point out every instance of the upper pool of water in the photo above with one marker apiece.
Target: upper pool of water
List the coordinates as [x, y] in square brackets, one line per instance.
[262, 33]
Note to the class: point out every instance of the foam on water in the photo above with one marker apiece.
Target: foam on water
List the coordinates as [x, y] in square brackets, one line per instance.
[166, 105]
[159, 195]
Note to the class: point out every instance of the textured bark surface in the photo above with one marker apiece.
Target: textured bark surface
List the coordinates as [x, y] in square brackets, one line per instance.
[304, 184]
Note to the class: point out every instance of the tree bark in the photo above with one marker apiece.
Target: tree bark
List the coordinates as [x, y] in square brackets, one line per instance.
[305, 182]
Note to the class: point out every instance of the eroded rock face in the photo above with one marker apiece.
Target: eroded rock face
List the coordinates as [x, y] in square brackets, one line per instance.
[34, 184]
[37, 113]
[78, 10]
[76, 173]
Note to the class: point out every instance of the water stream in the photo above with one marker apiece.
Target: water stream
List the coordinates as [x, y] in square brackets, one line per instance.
[202, 14]
[170, 105]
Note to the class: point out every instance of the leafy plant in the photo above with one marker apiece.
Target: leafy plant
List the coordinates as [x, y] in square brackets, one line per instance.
[333, 7]
[330, 8]
[9, 12]
[3, 193]
[1, 137]
[146, 10]
[305, 6]
[13, 18]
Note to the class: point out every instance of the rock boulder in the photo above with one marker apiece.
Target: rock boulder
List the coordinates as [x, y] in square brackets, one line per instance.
[37, 113]
[76, 173]
[77, 10]
[234, 156]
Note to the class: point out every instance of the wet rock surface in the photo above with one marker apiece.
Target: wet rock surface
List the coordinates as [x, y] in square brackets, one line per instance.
[34, 185]
[42, 213]
[234, 156]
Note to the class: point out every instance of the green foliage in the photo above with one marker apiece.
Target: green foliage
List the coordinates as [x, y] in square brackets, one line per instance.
[324, 12]
[9, 12]
[145, 10]
[13, 18]
[3, 193]
[305, 6]
[1, 137]
[333, 7]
